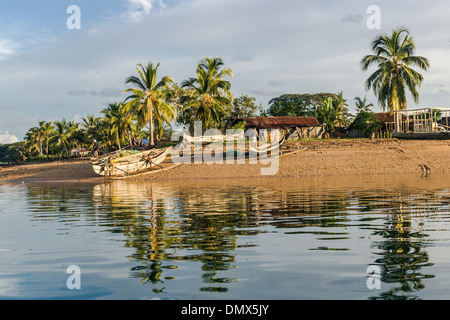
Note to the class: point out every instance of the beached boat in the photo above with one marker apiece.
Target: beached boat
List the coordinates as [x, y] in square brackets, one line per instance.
[267, 147]
[128, 162]
[252, 147]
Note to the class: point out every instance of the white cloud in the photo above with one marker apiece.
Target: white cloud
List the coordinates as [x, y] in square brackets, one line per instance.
[6, 138]
[7, 47]
[139, 8]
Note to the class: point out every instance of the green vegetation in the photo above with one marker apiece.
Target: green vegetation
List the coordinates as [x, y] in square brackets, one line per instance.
[367, 122]
[301, 105]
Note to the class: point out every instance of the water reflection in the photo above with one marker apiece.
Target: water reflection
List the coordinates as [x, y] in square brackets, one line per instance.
[169, 227]
[403, 256]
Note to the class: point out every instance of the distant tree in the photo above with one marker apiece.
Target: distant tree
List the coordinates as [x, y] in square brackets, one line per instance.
[296, 104]
[91, 127]
[245, 106]
[60, 137]
[47, 129]
[326, 114]
[34, 140]
[13, 153]
[362, 105]
[341, 110]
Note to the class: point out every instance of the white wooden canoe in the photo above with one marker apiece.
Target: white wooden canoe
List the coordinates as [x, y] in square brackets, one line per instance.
[114, 166]
[267, 148]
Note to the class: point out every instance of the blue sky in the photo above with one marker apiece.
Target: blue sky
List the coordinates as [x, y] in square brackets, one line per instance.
[48, 72]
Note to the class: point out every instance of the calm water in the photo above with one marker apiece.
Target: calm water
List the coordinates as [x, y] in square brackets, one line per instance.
[262, 239]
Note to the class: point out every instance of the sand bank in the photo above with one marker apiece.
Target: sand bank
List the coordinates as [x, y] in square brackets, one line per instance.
[313, 158]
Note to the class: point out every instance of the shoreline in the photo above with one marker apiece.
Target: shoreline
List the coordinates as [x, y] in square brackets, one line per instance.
[315, 158]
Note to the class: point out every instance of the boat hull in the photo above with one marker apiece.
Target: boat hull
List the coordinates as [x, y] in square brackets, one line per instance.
[143, 161]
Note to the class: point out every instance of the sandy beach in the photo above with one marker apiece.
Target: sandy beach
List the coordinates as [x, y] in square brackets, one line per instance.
[310, 158]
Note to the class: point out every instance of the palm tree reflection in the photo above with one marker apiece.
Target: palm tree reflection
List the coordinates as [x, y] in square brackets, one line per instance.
[403, 254]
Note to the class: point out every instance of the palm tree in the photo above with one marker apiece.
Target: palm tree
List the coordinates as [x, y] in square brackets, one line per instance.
[60, 137]
[361, 105]
[125, 124]
[147, 100]
[326, 114]
[209, 93]
[91, 127]
[46, 129]
[110, 123]
[34, 140]
[76, 134]
[394, 56]
[341, 110]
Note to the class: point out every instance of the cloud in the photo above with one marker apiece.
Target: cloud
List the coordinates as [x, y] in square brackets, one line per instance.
[353, 18]
[6, 138]
[141, 8]
[108, 92]
[7, 48]
[276, 83]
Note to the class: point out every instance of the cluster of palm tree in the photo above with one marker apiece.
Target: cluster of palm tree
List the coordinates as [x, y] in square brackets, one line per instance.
[58, 137]
[151, 101]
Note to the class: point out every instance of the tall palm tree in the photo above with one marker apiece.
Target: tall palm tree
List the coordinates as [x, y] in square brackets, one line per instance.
[34, 140]
[126, 125]
[76, 134]
[209, 93]
[394, 56]
[60, 137]
[91, 127]
[362, 105]
[341, 110]
[111, 123]
[148, 98]
[47, 129]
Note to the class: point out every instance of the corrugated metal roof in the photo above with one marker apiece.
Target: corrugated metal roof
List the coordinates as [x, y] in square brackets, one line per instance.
[280, 122]
[385, 117]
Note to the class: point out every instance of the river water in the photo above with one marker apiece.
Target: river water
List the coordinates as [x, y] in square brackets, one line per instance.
[374, 237]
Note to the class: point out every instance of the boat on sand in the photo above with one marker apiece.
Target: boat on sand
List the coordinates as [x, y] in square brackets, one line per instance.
[129, 162]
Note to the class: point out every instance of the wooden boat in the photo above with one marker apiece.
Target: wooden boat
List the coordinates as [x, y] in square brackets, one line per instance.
[114, 164]
[268, 147]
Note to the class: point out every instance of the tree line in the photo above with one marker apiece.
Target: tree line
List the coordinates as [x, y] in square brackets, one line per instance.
[153, 104]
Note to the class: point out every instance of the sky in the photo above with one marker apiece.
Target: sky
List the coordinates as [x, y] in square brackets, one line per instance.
[50, 71]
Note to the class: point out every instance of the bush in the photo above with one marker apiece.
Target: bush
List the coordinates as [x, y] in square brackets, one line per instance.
[13, 153]
[367, 122]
